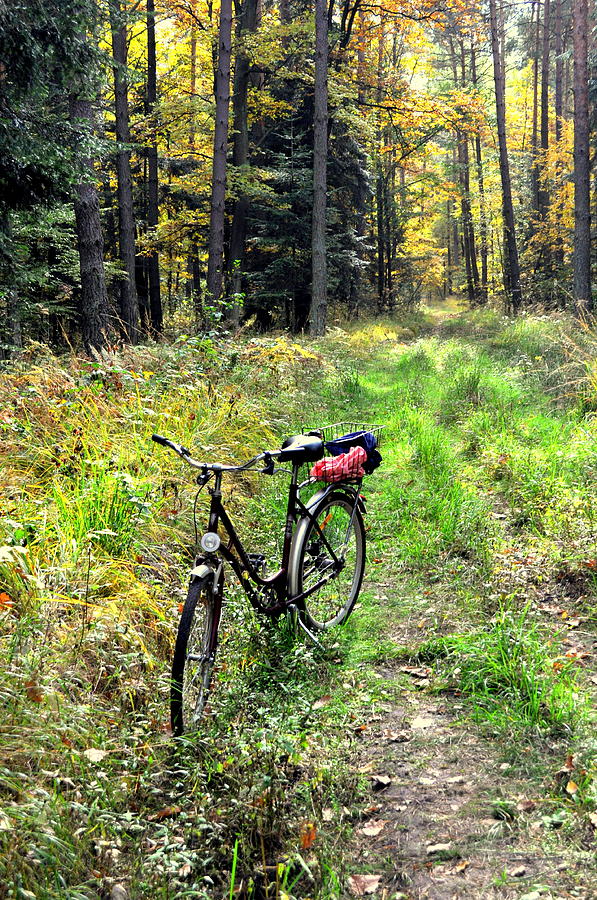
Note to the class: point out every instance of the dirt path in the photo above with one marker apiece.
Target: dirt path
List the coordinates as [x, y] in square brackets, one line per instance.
[454, 821]
[449, 815]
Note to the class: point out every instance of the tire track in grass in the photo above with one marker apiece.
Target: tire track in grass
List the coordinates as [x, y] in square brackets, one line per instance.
[456, 808]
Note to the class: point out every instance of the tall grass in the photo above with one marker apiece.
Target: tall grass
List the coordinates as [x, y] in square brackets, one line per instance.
[99, 507]
[515, 683]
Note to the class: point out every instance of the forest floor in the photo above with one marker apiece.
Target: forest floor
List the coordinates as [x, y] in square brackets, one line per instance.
[446, 748]
[461, 806]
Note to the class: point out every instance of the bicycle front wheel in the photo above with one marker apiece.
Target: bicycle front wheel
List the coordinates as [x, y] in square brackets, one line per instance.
[194, 655]
[329, 561]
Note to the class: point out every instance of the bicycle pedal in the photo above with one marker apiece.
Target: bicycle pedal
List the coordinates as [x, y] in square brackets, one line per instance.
[257, 560]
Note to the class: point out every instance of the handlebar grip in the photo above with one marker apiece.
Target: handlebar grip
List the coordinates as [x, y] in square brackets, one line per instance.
[160, 440]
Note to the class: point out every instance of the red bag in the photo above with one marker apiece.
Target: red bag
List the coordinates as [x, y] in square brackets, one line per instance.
[339, 468]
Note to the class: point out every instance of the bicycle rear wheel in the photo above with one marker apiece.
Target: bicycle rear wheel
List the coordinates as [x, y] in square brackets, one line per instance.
[194, 655]
[331, 534]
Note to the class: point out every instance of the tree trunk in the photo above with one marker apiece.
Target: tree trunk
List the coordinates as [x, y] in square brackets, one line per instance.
[456, 255]
[192, 265]
[543, 191]
[193, 78]
[215, 261]
[512, 268]
[448, 279]
[468, 234]
[481, 189]
[361, 58]
[583, 300]
[246, 23]
[94, 310]
[559, 112]
[379, 181]
[15, 331]
[535, 128]
[320, 159]
[129, 304]
[153, 264]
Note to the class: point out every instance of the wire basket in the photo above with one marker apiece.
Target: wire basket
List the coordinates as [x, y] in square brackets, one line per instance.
[350, 432]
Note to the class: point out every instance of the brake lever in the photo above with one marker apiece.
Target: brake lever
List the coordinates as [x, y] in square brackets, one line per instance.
[268, 469]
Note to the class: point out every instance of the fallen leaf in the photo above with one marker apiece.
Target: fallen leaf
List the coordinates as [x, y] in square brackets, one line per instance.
[568, 765]
[308, 835]
[573, 623]
[363, 884]
[327, 814]
[577, 653]
[416, 671]
[462, 866]
[398, 737]
[5, 600]
[184, 871]
[593, 819]
[419, 723]
[66, 741]
[456, 779]
[571, 787]
[33, 691]
[373, 828]
[323, 701]
[168, 812]
[380, 782]
[517, 872]
[95, 755]
[433, 849]
[526, 805]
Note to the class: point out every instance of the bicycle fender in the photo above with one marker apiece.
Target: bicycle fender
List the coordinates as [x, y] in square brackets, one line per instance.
[201, 571]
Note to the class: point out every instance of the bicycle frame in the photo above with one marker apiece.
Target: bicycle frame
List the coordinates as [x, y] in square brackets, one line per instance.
[235, 554]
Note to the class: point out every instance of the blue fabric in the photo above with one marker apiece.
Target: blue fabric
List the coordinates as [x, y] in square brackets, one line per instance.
[364, 439]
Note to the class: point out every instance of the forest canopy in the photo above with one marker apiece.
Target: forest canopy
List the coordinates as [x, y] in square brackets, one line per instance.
[190, 162]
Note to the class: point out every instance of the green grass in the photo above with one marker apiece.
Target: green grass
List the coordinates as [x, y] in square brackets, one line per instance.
[514, 682]
[95, 540]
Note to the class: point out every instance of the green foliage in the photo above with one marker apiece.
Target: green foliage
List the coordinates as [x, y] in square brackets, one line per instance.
[100, 508]
[45, 55]
[92, 571]
[507, 669]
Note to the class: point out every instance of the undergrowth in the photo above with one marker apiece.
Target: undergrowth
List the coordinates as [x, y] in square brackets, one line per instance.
[516, 684]
[490, 461]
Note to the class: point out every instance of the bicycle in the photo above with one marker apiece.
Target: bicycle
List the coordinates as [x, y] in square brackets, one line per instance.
[322, 565]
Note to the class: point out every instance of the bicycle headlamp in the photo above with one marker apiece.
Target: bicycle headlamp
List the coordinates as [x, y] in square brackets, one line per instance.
[210, 542]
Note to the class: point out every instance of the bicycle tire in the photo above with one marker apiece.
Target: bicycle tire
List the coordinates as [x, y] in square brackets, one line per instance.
[194, 655]
[333, 602]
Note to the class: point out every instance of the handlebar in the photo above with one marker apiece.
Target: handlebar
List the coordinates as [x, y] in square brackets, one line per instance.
[183, 452]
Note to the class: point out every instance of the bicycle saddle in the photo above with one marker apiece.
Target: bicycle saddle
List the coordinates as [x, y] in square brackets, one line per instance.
[302, 448]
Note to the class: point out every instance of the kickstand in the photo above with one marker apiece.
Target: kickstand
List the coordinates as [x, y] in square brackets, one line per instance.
[296, 618]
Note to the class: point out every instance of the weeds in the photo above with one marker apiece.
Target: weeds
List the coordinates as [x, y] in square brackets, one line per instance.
[506, 669]
[96, 537]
